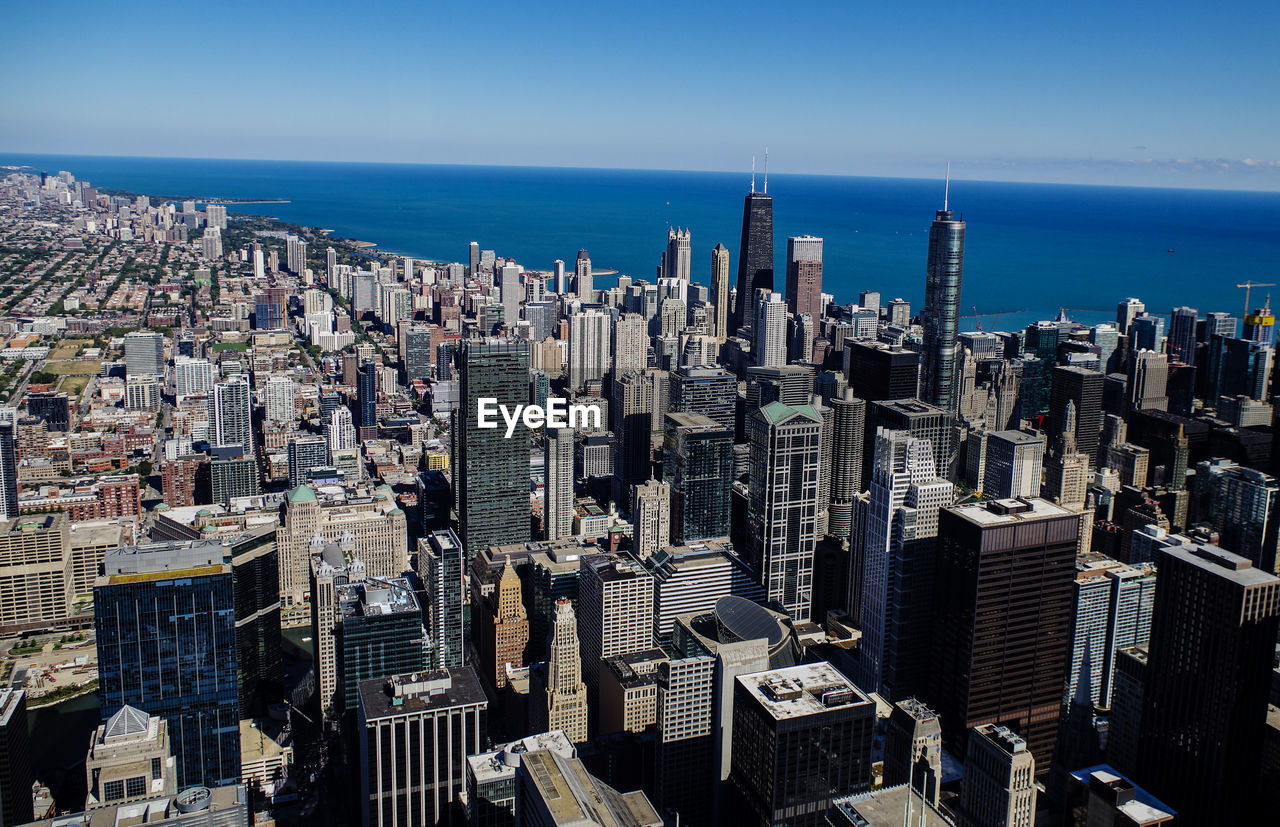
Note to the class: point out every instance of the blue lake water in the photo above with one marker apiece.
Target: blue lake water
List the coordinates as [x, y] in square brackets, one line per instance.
[1031, 248]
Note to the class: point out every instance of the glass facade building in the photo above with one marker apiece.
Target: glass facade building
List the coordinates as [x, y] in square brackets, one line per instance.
[165, 618]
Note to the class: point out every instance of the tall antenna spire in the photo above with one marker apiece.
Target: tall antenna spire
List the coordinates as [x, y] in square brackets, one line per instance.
[946, 193]
[766, 170]
[753, 173]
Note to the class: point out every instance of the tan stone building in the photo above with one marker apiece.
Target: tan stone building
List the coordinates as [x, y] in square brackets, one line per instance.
[129, 759]
[368, 520]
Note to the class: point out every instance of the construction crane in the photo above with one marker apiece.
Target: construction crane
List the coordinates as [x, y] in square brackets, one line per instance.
[976, 319]
[1248, 287]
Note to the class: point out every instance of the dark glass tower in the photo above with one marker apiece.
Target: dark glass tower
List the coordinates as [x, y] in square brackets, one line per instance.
[367, 400]
[698, 454]
[255, 570]
[755, 254]
[1002, 615]
[1204, 705]
[165, 617]
[8, 465]
[941, 314]
[492, 470]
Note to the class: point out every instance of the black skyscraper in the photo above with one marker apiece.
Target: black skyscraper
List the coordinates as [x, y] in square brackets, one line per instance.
[941, 314]
[1213, 634]
[367, 399]
[8, 467]
[491, 471]
[755, 254]
[1083, 387]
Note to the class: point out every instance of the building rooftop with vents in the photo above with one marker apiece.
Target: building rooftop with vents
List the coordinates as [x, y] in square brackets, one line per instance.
[802, 690]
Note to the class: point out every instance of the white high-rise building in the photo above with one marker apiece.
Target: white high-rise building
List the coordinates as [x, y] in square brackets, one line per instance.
[216, 216]
[279, 395]
[589, 347]
[512, 293]
[650, 518]
[900, 520]
[582, 274]
[770, 346]
[342, 433]
[192, 376]
[557, 507]
[678, 261]
[211, 243]
[259, 264]
[615, 610]
[295, 254]
[558, 279]
[144, 354]
[1013, 467]
[630, 344]
[999, 784]
[230, 410]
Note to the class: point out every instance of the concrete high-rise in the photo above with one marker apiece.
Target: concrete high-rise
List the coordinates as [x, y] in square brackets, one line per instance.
[557, 499]
[165, 617]
[678, 261]
[492, 471]
[1128, 310]
[419, 726]
[999, 788]
[720, 292]
[615, 610]
[1213, 636]
[804, 276]
[1014, 463]
[500, 626]
[941, 315]
[590, 352]
[698, 465]
[1148, 378]
[650, 518]
[755, 253]
[769, 349]
[583, 284]
[566, 693]
[1002, 619]
[1113, 606]
[782, 503]
[230, 414]
[637, 409]
[913, 749]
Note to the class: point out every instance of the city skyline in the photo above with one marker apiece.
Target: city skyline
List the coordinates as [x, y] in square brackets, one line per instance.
[1094, 96]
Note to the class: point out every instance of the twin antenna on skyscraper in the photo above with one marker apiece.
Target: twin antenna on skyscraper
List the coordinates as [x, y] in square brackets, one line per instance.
[766, 172]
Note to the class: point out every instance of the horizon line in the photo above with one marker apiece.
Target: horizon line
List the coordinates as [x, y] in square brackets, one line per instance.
[585, 167]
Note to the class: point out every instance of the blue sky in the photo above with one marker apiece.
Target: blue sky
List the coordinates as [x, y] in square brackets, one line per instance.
[1162, 94]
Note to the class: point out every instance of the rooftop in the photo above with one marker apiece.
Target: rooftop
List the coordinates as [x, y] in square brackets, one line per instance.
[797, 691]
[170, 557]
[502, 762]
[885, 806]
[420, 692]
[1008, 512]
